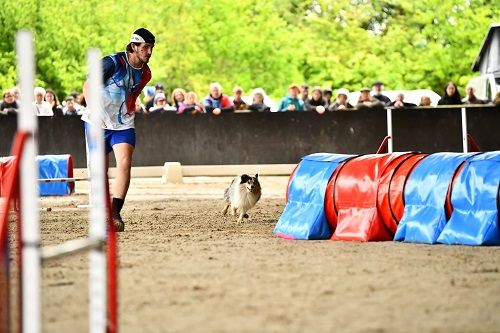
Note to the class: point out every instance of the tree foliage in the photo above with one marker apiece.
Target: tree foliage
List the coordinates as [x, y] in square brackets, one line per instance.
[257, 43]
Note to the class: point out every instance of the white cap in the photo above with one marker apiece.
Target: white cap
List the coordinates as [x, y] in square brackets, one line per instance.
[342, 91]
[158, 96]
[259, 91]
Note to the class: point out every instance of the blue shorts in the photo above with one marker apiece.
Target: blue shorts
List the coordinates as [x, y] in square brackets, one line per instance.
[113, 137]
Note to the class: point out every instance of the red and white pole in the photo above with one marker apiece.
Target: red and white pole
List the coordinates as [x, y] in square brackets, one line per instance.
[30, 233]
[98, 199]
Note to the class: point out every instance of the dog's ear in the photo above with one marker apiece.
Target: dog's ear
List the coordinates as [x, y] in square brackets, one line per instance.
[244, 178]
[256, 176]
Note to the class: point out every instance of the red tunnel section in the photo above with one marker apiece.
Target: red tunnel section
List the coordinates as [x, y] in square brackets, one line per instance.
[364, 199]
[394, 206]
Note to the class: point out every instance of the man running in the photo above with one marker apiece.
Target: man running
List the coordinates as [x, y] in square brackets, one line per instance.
[124, 75]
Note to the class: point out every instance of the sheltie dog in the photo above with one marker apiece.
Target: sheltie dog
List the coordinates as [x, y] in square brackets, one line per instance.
[242, 195]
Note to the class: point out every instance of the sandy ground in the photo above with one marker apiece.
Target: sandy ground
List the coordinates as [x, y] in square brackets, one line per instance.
[185, 268]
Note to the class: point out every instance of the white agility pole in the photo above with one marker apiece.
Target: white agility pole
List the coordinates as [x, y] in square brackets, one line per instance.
[389, 130]
[68, 248]
[27, 121]
[97, 227]
[61, 180]
[464, 131]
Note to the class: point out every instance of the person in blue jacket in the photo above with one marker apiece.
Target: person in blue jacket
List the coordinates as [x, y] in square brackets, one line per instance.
[291, 102]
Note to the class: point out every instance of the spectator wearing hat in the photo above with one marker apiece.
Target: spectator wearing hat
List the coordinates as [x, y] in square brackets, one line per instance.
[42, 107]
[451, 95]
[470, 96]
[316, 102]
[367, 101]
[341, 102]
[158, 89]
[400, 103]
[258, 104]
[327, 95]
[238, 102]
[125, 74]
[291, 102]
[160, 104]
[191, 105]
[9, 104]
[377, 88]
[149, 95]
[216, 102]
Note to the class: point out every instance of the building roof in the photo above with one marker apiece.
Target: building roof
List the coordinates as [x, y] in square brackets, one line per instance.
[484, 46]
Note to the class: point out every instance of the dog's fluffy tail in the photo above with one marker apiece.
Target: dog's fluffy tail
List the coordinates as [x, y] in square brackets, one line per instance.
[227, 192]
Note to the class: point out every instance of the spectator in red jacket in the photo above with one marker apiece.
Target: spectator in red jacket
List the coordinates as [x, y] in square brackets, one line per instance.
[216, 102]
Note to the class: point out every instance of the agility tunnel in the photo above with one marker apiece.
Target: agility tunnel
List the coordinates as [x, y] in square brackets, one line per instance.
[304, 215]
[450, 198]
[50, 168]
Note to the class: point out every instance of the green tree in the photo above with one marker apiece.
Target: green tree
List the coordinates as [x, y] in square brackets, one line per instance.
[257, 43]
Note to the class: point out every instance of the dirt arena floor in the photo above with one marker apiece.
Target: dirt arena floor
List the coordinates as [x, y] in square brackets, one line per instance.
[185, 268]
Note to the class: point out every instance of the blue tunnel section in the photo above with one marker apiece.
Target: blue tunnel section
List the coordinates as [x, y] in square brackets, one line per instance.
[425, 195]
[55, 166]
[475, 201]
[304, 215]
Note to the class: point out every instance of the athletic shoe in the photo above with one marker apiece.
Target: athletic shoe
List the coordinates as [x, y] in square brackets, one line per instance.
[118, 224]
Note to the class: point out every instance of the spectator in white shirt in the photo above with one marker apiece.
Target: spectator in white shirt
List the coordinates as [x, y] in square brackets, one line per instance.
[42, 107]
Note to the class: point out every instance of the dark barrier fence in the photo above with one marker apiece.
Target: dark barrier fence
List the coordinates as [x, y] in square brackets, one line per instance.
[267, 138]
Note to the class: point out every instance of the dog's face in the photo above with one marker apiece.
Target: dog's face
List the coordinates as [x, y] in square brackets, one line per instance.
[249, 182]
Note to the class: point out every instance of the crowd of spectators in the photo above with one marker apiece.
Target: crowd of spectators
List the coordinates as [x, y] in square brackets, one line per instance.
[298, 98]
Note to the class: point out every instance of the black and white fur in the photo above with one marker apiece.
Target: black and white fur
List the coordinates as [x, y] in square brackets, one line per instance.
[242, 195]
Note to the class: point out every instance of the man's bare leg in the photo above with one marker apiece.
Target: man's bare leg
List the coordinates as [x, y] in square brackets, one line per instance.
[123, 155]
